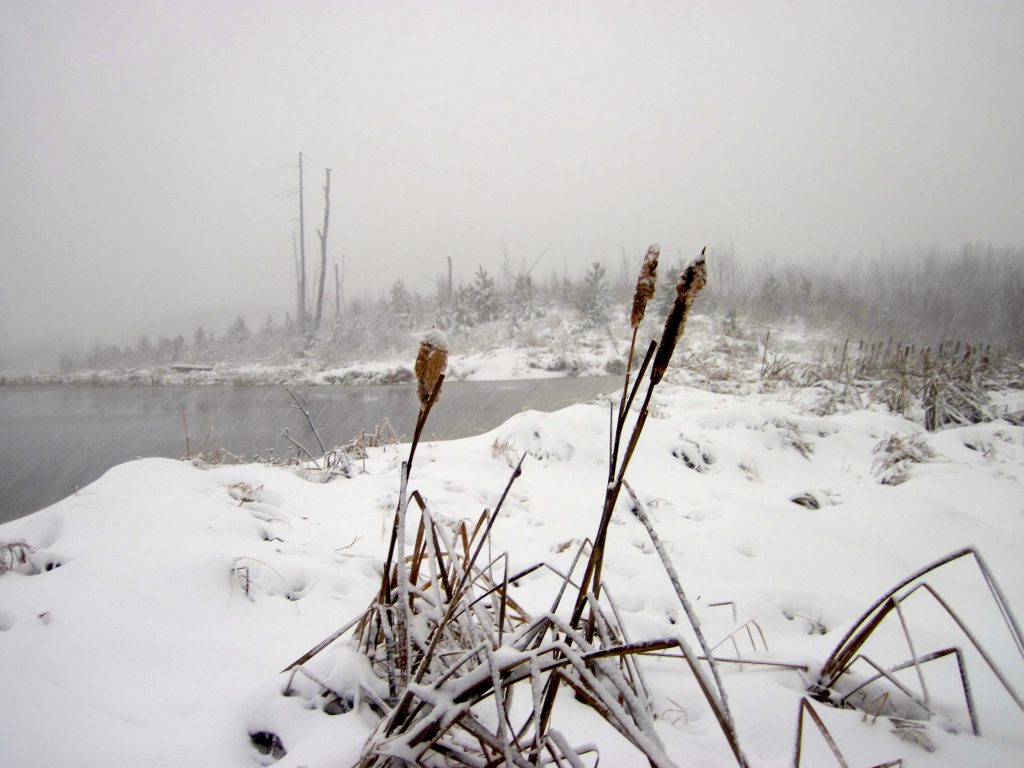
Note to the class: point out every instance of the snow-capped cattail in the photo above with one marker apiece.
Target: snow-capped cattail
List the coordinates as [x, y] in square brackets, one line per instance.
[645, 284]
[693, 279]
[430, 363]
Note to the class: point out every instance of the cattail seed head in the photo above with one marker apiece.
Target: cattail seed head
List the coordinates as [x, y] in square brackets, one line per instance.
[431, 362]
[693, 279]
[645, 284]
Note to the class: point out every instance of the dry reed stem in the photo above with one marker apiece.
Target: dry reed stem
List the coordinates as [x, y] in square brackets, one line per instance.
[805, 706]
[861, 630]
[923, 702]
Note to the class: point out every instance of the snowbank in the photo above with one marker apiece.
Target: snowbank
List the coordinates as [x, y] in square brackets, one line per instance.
[145, 620]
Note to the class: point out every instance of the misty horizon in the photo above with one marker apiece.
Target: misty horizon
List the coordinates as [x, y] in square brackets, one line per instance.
[150, 151]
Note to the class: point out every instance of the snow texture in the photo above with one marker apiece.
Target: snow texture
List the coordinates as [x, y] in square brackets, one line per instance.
[144, 620]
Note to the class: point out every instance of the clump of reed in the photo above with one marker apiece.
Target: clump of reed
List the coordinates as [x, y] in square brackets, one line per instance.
[880, 692]
[326, 465]
[896, 454]
[854, 677]
[452, 645]
[451, 648]
[944, 385]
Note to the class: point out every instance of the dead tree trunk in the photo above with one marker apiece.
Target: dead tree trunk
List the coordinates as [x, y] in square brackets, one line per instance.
[337, 294]
[323, 253]
[302, 253]
[298, 277]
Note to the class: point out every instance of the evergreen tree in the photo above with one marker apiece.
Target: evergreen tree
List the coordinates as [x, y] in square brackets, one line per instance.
[401, 304]
[164, 350]
[770, 289]
[268, 328]
[463, 309]
[524, 297]
[238, 333]
[267, 333]
[522, 305]
[486, 304]
[143, 352]
[592, 299]
[201, 344]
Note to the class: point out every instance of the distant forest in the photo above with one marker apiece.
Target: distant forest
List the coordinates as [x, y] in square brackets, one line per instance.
[973, 294]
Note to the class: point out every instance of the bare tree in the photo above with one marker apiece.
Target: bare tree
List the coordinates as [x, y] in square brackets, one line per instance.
[337, 293]
[302, 253]
[323, 252]
[298, 274]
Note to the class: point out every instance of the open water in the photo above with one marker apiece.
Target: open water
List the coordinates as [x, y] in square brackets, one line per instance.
[58, 438]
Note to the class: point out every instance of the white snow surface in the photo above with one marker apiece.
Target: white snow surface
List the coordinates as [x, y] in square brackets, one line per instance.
[160, 603]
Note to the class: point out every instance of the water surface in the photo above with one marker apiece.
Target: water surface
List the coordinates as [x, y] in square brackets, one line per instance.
[57, 438]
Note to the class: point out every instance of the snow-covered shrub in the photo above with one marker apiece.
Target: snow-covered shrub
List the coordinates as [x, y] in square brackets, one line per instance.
[15, 556]
[897, 454]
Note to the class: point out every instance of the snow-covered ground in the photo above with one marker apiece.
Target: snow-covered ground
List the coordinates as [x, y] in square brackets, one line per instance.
[154, 610]
[554, 345]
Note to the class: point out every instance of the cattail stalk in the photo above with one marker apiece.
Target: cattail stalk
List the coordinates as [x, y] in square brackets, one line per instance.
[693, 279]
[589, 590]
[431, 362]
[646, 284]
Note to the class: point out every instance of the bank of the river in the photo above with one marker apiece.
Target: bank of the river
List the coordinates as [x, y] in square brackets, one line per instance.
[57, 438]
[579, 354]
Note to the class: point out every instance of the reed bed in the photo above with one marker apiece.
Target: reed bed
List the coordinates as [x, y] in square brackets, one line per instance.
[468, 677]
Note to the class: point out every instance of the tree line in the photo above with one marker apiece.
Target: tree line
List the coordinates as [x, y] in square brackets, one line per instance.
[974, 293]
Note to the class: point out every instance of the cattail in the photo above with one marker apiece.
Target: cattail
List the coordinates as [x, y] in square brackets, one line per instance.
[430, 363]
[645, 284]
[693, 279]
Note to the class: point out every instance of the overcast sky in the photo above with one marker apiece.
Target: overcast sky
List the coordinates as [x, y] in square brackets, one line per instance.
[147, 148]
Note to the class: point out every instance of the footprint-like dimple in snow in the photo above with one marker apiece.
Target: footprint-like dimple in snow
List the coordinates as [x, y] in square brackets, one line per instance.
[631, 602]
[745, 550]
[266, 512]
[643, 545]
[22, 557]
[270, 497]
[268, 745]
[7, 620]
[257, 577]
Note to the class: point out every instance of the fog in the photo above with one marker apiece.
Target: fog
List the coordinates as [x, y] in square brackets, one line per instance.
[150, 149]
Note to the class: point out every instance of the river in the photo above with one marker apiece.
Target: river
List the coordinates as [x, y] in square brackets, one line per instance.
[55, 439]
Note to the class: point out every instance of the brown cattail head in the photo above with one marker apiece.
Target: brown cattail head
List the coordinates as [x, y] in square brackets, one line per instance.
[693, 279]
[645, 284]
[430, 363]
